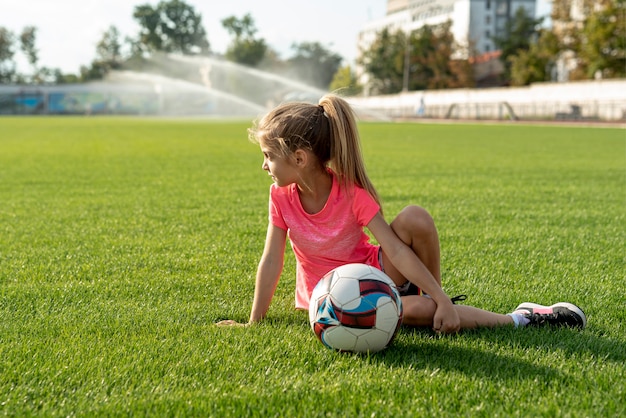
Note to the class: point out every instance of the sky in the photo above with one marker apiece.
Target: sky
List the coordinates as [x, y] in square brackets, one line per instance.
[68, 30]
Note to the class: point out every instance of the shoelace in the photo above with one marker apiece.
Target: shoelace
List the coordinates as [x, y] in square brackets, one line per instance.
[458, 298]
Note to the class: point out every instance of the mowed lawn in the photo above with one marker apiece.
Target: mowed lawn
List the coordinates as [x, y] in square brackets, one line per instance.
[123, 240]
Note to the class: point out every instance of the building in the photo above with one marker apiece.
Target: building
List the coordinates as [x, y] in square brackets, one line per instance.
[474, 25]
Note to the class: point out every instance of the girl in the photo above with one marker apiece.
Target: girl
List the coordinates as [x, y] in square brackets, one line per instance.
[322, 199]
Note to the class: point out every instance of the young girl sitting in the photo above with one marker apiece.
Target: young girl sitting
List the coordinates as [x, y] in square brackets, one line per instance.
[322, 199]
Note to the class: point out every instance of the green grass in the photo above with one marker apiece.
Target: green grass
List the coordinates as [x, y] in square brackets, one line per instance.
[122, 241]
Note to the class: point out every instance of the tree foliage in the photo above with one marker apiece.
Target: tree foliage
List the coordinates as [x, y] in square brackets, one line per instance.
[108, 56]
[602, 48]
[28, 39]
[171, 26]
[314, 64]
[537, 63]
[517, 38]
[7, 66]
[384, 62]
[591, 33]
[26, 44]
[432, 64]
[245, 48]
[430, 52]
[345, 82]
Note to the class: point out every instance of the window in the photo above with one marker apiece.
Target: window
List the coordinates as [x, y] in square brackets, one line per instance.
[502, 7]
[488, 20]
[488, 5]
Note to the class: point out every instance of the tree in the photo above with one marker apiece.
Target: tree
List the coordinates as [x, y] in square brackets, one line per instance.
[108, 56]
[431, 64]
[109, 47]
[602, 50]
[7, 66]
[345, 82]
[588, 37]
[28, 39]
[383, 62]
[171, 26]
[314, 64]
[517, 37]
[245, 48]
[537, 63]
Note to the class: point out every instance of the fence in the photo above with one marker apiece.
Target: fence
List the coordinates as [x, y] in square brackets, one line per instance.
[601, 100]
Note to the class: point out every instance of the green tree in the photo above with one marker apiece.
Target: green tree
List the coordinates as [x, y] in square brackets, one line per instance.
[108, 56]
[171, 26]
[345, 82]
[245, 48]
[602, 47]
[537, 63]
[28, 39]
[314, 64]
[109, 47]
[432, 62]
[7, 65]
[383, 62]
[427, 62]
[518, 37]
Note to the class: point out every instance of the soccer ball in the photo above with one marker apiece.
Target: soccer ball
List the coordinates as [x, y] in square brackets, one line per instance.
[355, 308]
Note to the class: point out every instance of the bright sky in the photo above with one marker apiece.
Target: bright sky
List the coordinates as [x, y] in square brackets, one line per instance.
[68, 30]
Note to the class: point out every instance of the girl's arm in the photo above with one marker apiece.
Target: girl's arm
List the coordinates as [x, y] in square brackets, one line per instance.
[268, 272]
[408, 263]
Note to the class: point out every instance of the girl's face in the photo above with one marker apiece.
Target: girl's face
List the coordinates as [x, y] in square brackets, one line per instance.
[282, 170]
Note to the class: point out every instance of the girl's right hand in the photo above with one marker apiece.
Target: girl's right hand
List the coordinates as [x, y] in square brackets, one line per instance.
[229, 323]
[446, 319]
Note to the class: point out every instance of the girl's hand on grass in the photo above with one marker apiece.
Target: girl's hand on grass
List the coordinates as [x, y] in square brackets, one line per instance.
[230, 323]
[446, 319]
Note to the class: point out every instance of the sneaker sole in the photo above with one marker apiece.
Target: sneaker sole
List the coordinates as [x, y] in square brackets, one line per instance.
[570, 306]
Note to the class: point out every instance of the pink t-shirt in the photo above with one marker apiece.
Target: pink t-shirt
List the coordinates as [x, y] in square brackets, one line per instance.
[328, 239]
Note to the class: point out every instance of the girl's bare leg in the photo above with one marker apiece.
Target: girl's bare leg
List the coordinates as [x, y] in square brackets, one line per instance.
[420, 310]
[416, 228]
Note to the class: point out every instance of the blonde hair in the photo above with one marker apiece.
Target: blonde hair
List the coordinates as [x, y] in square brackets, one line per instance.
[328, 129]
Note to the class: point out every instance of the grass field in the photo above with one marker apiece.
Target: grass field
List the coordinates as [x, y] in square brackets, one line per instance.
[122, 242]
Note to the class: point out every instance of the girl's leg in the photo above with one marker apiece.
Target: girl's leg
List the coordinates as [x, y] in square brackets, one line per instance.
[420, 310]
[416, 228]
[472, 317]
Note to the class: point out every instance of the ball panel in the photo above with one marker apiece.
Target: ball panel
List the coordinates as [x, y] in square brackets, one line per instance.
[340, 338]
[345, 291]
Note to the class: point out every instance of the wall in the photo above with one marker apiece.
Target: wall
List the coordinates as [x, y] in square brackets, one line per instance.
[603, 100]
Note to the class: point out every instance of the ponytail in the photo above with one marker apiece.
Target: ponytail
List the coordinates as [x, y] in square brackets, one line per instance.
[346, 157]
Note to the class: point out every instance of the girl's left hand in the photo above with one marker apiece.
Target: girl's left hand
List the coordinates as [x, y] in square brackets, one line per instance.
[229, 323]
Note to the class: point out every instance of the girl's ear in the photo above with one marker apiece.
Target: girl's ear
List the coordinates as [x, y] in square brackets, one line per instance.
[300, 157]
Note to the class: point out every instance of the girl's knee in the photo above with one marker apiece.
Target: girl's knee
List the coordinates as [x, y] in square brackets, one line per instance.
[415, 219]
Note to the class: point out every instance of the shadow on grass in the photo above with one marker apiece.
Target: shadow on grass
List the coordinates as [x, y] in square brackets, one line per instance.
[499, 359]
[430, 351]
[571, 341]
